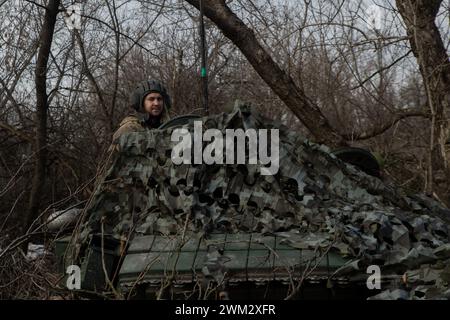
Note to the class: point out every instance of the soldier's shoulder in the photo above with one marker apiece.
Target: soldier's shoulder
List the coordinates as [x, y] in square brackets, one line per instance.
[128, 124]
[130, 119]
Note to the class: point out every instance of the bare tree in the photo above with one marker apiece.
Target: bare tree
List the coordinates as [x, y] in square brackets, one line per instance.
[39, 176]
[419, 17]
[281, 83]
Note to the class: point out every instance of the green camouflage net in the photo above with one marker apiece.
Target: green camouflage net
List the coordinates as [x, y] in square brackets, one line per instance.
[314, 201]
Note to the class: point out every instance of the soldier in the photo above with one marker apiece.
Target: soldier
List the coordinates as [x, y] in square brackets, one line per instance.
[150, 102]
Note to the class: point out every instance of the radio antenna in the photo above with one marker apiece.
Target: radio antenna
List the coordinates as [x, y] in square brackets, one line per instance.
[203, 70]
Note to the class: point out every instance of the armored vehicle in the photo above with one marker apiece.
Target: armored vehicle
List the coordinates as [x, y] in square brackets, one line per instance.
[154, 229]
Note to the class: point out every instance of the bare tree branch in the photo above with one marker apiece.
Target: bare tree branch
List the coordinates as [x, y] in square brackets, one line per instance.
[278, 80]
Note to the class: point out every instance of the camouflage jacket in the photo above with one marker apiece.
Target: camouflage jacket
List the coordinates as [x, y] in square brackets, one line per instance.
[130, 123]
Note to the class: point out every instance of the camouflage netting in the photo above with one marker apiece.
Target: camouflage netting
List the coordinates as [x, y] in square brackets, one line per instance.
[315, 200]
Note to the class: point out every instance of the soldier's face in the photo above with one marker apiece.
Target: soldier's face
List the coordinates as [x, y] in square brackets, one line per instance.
[153, 104]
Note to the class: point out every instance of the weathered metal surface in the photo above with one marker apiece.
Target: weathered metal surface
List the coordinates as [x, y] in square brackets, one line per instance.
[246, 257]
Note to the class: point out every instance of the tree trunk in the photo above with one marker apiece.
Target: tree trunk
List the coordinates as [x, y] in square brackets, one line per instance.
[427, 45]
[45, 41]
[278, 80]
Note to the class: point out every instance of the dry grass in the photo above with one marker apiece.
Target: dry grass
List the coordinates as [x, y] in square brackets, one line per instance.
[25, 278]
